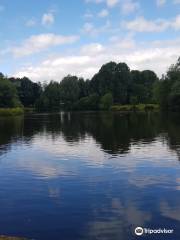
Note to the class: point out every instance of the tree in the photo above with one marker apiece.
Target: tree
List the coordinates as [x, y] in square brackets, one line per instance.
[42, 104]
[1, 75]
[106, 101]
[115, 78]
[149, 79]
[8, 94]
[28, 91]
[69, 90]
[52, 96]
[102, 82]
[121, 84]
[174, 97]
[169, 88]
[142, 86]
[83, 88]
[173, 73]
[87, 103]
[113, 84]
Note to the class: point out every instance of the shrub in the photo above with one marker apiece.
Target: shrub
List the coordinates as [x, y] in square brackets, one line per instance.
[106, 101]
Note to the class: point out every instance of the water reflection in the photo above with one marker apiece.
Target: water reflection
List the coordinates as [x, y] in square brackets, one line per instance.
[113, 131]
[89, 175]
[169, 211]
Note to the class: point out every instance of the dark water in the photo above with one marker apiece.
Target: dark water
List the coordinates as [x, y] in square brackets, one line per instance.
[89, 176]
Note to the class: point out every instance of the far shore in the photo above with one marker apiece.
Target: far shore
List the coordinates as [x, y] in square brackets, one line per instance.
[6, 112]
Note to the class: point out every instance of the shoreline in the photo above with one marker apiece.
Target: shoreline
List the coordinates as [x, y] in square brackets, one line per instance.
[7, 112]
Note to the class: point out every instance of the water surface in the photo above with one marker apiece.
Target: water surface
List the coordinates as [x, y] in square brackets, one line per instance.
[89, 176]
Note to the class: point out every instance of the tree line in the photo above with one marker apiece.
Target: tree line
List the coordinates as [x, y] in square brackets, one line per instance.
[114, 84]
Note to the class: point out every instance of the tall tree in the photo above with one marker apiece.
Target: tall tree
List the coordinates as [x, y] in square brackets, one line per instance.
[142, 86]
[69, 90]
[169, 88]
[8, 94]
[27, 90]
[121, 83]
[102, 82]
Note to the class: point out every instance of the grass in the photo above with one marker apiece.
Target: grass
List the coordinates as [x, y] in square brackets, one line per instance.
[29, 110]
[11, 238]
[11, 112]
[138, 107]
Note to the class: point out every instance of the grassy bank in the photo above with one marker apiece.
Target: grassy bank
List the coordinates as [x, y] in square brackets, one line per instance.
[138, 107]
[11, 111]
[29, 110]
[11, 238]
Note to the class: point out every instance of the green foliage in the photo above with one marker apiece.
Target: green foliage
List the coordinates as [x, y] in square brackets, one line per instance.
[1, 75]
[11, 112]
[125, 86]
[134, 100]
[87, 103]
[122, 108]
[102, 82]
[50, 100]
[138, 107]
[164, 89]
[27, 91]
[115, 78]
[83, 88]
[113, 84]
[52, 95]
[42, 104]
[8, 94]
[142, 87]
[121, 85]
[69, 90]
[174, 97]
[106, 101]
[11, 238]
[169, 89]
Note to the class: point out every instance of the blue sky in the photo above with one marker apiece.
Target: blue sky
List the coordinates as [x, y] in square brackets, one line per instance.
[48, 39]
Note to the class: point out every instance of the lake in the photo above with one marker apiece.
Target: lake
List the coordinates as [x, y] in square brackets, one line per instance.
[89, 175]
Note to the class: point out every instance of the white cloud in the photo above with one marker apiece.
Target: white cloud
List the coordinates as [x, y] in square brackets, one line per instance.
[47, 19]
[160, 2]
[37, 43]
[88, 14]
[130, 6]
[93, 31]
[140, 24]
[92, 49]
[109, 3]
[88, 28]
[157, 56]
[103, 13]
[176, 23]
[123, 44]
[31, 23]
